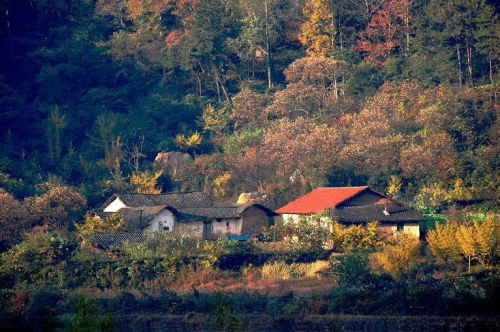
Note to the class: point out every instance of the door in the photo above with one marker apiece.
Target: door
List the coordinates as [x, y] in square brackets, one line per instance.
[207, 230]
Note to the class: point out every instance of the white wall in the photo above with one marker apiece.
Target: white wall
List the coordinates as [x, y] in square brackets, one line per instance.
[115, 205]
[291, 218]
[411, 229]
[163, 219]
[222, 227]
[194, 228]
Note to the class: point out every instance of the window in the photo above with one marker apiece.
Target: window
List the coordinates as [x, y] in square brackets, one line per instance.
[227, 223]
[166, 228]
[400, 227]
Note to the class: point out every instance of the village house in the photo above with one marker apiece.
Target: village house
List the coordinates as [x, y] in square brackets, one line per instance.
[355, 205]
[191, 213]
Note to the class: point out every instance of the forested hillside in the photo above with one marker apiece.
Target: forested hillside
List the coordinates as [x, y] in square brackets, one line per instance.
[279, 96]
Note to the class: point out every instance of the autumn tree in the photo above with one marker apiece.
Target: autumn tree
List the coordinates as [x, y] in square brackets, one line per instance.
[188, 141]
[379, 131]
[318, 32]
[400, 257]
[442, 242]
[301, 144]
[14, 220]
[98, 224]
[388, 31]
[57, 207]
[314, 86]
[146, 182]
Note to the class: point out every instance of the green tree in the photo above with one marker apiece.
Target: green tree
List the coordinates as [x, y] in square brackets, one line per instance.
[447, 39]
[204, 50]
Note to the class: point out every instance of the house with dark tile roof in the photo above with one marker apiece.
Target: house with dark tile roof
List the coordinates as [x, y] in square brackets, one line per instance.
[355, 205]
[188, 212]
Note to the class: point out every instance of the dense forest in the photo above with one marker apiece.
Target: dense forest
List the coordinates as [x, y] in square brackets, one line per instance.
[276, 96]
[279, 96]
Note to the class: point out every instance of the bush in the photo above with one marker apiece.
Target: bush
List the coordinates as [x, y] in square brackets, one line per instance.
[351, 269]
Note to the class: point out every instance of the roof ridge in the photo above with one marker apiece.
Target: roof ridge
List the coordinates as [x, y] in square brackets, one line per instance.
[341, 187]
[167, 193]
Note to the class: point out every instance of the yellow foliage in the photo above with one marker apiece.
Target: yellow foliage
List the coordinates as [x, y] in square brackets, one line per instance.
[220, 183]
[188, 142]
[479, 241]
[400, 257]
[95, 224]
[394, 185]
[213, 119]
[318, 32]
[442, 242]
[146, 182]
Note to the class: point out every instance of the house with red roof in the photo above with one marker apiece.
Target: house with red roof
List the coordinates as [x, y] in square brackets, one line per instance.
[355, 205]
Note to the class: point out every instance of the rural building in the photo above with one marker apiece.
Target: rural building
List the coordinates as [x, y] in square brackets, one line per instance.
[355, 205]
[189, 212]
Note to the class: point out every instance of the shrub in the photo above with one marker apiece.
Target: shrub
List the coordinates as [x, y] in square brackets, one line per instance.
[277, 270]
[350, 269]
[400, 257]
[285, 271]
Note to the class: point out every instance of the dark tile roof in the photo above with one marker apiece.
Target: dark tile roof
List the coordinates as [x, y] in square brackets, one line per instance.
[243, 207]
[189, 206]
[375, 212]
[175, 200]
[108, 241]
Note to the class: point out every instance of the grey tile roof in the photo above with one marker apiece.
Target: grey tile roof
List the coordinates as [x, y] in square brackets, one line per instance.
[374, 212]
[108, 241]
[188, 206]
[175, 200]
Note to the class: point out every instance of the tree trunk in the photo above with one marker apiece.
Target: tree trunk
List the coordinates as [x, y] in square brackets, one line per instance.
[459, 66]
[268, 47]
[407, 26]
[9, 35]
[492, 80]
[469, 64]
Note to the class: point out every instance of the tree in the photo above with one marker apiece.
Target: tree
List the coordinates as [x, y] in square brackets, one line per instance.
[442, 242]
[57, 207]
[301, 144]
[204, 50]
[14, 220]
[387, 31]
[249, 108]
[96, 224]
[318, 32]
[146, 182]
[400, 257]
[55, 126]
[447, 39]
[314, 86]
[187, 142]
[467, 242]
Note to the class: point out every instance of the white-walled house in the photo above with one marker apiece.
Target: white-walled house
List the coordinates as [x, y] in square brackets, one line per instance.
[355, 205]
[188, 212]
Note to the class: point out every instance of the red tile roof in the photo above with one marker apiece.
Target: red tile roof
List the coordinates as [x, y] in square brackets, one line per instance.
[320, 199]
